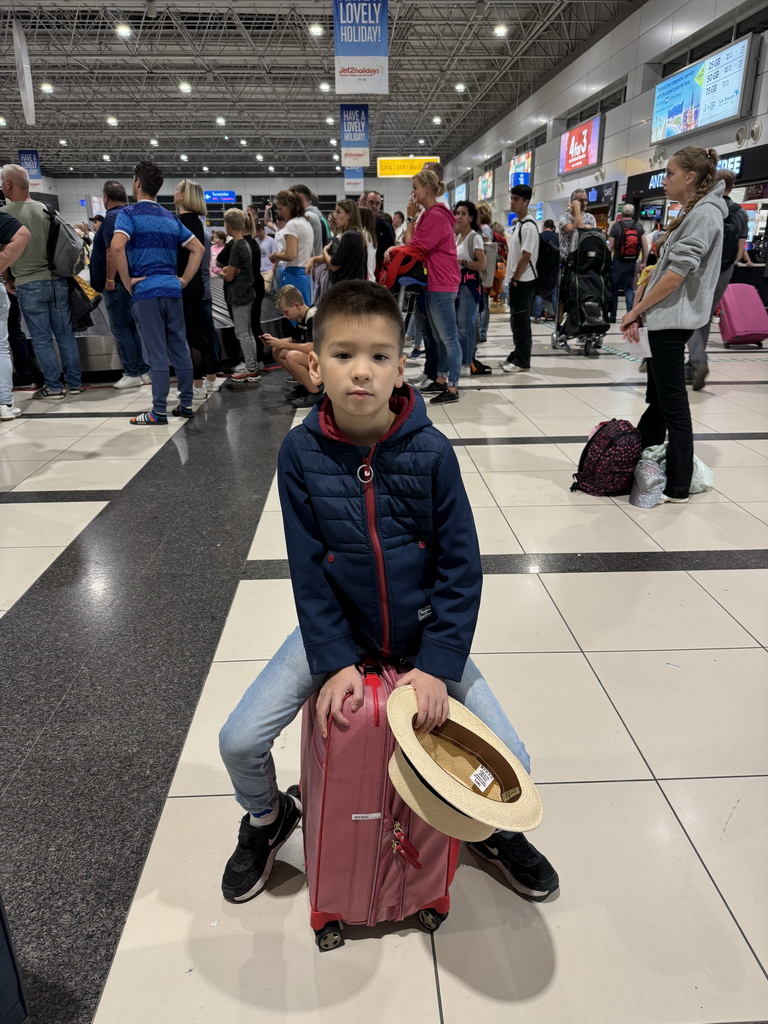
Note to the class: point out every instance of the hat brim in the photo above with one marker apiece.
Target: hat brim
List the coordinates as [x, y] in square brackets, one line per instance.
[435, 811]
[521, 811]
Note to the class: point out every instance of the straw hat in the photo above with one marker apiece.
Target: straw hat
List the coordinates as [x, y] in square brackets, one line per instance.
[460, 778]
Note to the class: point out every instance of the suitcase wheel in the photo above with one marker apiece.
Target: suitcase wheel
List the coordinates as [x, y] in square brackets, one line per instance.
[431, 919]
[759, 344]
[329, 937]
[726, 344]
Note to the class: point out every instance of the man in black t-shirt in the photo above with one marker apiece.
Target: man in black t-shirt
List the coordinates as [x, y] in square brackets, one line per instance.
[14, 238]
[627, 241]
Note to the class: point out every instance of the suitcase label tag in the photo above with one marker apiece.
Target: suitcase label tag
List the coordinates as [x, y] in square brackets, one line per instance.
[366, 817]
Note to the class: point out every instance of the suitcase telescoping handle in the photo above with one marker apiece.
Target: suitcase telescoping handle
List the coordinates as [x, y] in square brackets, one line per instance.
[372, 678]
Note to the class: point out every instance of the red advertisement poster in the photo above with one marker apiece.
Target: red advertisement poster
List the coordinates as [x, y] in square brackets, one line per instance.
[580, 146]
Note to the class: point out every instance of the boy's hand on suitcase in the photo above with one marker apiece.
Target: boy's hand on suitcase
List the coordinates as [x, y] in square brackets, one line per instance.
[331, 699]
[431, 697]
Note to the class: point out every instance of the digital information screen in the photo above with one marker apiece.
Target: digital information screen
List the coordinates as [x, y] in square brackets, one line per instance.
[708, 92]
[520, 169]
[485, 186]
[461, 193]
[580, 146]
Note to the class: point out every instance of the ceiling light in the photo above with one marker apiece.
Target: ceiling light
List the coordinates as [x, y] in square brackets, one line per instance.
[106, 157]
[62, 142]
[329, 120]
[154, 142]
[124, 31]
[334, 142]
[112, 121]
[338, 168]
[185, 87]
[410, 156]
[184, 157]
[46, 87]
[325, 87]
[259, 157]
[460, 87]
[422, 141]
[204, 167]
[3, 122]
[500, 31]
[243, 142]
[316, 30]
[437, 120]
[221, 121]
[270, 168]
[226, 138]
[335, 156]
[71, 168]
[542, 120]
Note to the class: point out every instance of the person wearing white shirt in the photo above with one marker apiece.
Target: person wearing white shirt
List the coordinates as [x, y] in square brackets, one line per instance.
[398, 221]
[298, 240]
[521, 278]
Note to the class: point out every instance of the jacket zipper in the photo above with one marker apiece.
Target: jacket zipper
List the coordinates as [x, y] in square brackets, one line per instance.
[370, 509]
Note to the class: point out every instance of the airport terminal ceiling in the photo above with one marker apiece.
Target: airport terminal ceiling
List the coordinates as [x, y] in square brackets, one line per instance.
[260, 67]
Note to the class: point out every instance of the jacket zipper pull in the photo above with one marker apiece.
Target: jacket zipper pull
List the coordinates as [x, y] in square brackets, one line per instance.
[365, 469]
[372, 678]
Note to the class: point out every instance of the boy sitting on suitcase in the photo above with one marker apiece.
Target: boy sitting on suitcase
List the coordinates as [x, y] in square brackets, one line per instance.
[384, 558]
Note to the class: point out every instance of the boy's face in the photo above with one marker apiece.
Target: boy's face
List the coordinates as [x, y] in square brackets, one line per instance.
[290, 312]
[359, 365]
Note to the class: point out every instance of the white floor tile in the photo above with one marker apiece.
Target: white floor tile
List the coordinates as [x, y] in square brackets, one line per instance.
[20, 567]
[101, 474]
[725, 423]
[715, 708]
[743, 484]
[140, 444]
[538, 487]
[579, 737]
[517, 615]
[494, 533]
[567, 426]
[18, 447]
[759, 445]
[727, 823]
[477, 491]
[561, 529]
[759, 509]
[37, 426]
[638, 934]
[262, 615]
[12, 473]
[700, 526]
[269, 540]
[729, 454]
[187, 955]
[272, 504]
[38, 524]
[643, 611]
[742, 593]
[507, 458]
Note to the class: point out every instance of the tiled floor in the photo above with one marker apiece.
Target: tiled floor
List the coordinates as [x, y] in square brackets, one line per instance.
[642, 696]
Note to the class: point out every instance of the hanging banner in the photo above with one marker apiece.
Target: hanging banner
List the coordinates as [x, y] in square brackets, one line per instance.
[29, 159]
[361, 46]
[353, 181]
[353, 118]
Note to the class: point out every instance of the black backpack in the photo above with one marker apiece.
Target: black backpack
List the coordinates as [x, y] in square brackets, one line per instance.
[730, 235]
[547, 268]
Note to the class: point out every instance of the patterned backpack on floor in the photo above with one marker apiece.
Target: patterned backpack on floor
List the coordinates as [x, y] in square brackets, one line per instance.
[607, 464]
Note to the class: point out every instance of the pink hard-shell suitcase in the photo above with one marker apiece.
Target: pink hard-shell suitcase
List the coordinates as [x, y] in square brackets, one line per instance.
[369, 857]
[743, 317]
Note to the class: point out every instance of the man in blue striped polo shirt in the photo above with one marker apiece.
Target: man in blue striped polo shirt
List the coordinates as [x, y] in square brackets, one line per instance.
[147, 238]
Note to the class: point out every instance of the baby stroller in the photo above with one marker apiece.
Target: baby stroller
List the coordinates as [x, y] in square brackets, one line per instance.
[584, 295]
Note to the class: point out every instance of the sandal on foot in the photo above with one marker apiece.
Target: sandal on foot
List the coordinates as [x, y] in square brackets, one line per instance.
[181, 411]
[148, 419]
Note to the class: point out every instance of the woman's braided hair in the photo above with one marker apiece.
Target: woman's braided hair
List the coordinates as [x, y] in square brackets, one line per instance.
[703, 163]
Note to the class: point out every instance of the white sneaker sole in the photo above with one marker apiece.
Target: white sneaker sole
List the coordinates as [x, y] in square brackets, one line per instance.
[531, 894]
[259, 887]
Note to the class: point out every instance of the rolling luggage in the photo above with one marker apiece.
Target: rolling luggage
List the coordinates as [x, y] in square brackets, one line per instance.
[743, 318]
[584, 295]
[369, 857]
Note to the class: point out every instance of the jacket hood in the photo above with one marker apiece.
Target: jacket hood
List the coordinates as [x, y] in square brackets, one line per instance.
[715, 198]
[406, 403]
[445, 212]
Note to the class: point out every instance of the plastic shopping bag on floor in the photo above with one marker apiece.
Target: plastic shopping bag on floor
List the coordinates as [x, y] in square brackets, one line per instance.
[703, 477]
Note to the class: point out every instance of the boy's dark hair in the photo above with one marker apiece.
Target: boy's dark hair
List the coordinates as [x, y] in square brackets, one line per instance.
[149, 176]
[357, 300]
[549, 225]
[524, 191]
[115, 191]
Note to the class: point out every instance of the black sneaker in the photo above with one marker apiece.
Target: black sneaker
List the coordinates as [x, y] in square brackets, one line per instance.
[250, 865]
[445, 397]
[307, 401]
[700, 375]
[528, 872]
[434, 388]
[298, 392]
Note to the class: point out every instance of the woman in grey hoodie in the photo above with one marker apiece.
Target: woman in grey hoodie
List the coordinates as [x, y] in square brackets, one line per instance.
[676, 301]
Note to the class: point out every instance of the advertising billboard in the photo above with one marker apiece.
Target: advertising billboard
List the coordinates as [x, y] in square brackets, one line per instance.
[708, 92]
[485, 186]
[461, 193]
[520, 169]
[580, 146]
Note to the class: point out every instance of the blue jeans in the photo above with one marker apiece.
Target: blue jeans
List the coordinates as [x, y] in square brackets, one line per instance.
[277, 695]
[6, 366]
[441, 313]
[297, 276]
[45, 307]
[428, 340]
[538, 305]
[467, 309]
[164, 340]
[622, 277]
[485, 315]
[119, 305]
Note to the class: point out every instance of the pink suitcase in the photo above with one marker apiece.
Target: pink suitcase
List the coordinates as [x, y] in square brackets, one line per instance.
[743, 317]
[369, 857]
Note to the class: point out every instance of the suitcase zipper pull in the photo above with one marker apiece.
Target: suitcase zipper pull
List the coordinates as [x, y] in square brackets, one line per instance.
[408, 857]
[372, 678]
[405, 842]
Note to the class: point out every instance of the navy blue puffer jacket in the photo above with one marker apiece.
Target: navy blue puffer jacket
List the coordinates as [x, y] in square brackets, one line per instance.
[381, 543]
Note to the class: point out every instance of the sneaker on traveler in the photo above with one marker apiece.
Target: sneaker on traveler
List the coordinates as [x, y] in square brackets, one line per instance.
[146, 379]
[433, 388]
[445, 397]
[128, 382]
[73, 391]
[307, 401]
[212, 386]
[199, 394]
[665, 498]
[9, 412]
[298, 392]
[246, 377]
[514, 368]
[240, 368]
[528, 872]
[644, 366]
[250, 865]
[466, 371]
[45, 392]
[700, 375]
[415, 354]
[290, 380]
[29, 386]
